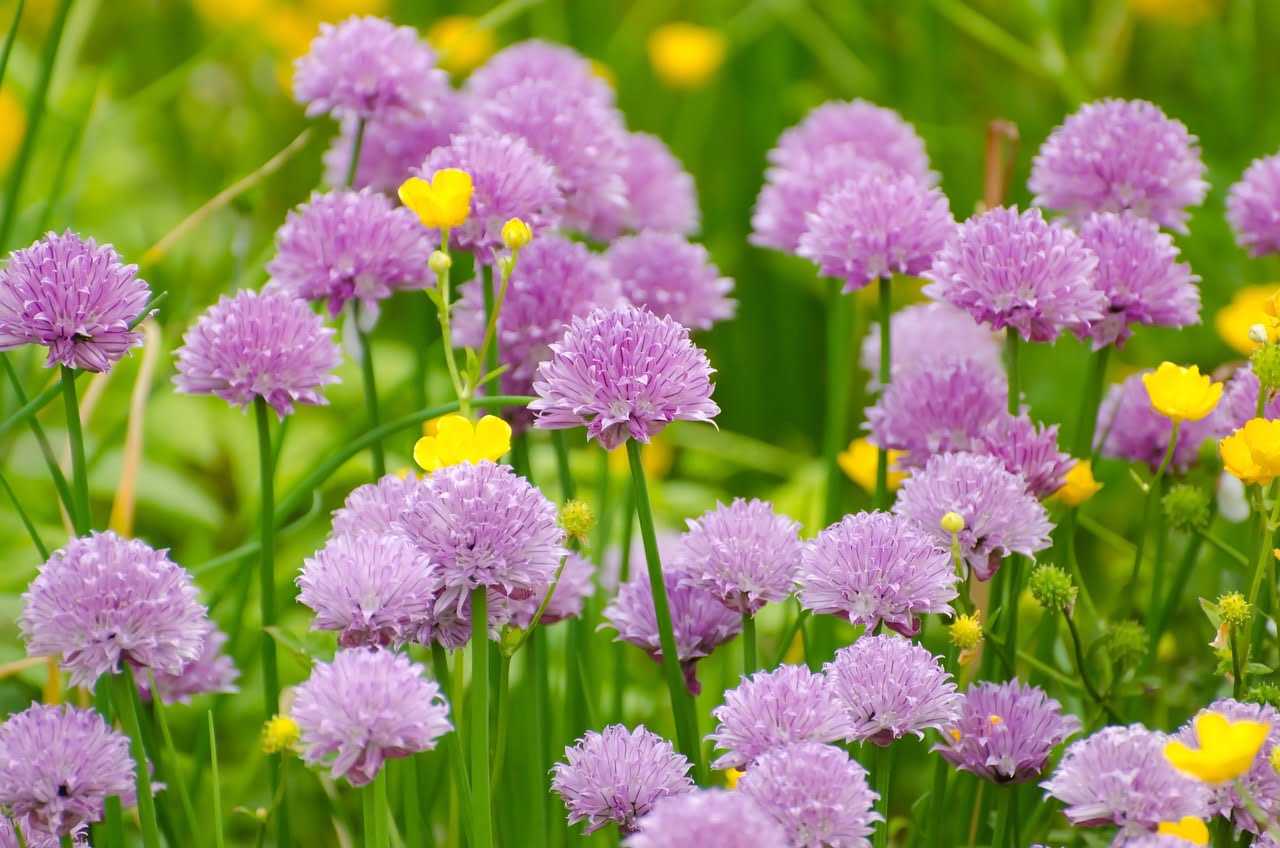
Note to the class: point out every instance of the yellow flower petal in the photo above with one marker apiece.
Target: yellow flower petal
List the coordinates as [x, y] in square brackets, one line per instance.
[1188, 828]
[492, 438]
[1079, 486]
[859, 462]
[1227, 748]
[443, 202]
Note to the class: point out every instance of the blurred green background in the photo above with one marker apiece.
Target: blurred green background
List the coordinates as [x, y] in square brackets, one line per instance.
[158, 105]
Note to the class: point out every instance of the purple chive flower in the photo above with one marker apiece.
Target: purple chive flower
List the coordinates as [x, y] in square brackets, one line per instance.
[890, 687]
[212, 672]
[538, 60]
[1239, 404]
[817, 793]
[1261, 782]
[483, 525]
[874, 226]
[1149, 839]
[618, 775]
[1006, 732]
[700, 621]
[667, 275]
[1120, 155]
[252, 345]
[623, 374]
[1140, 275]
[376, 591]
[708, 817]
[74, 297]
[937, 409]
[33, 837]
[780, 216]
[364, 708]
[1000, 516]
[1027, 449]
[874, 568]
[1253, 207]
[1120, 775]
[584, 139]
[59, 765]
[661, 194]
[391, 149]
[103, 600]
[927, 336]
[350, 245]
[450, 623]
[367, 67]
[375, 507]
[773, 709]
[1018, 271]
[509, 180]
[1130, 429]
[873, 133]
[554, 280]
[744, 554]
[571, 591]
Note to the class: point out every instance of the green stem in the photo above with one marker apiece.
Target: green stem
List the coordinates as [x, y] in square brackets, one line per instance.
[353, 164]
[884, 782]
[453, 741]
[442, 311]
[839, 352]
[41, 548]
[568, 491]
[504, 710]
[681, 703]
[8, 49]
[171, 753]
[1083, 670]
[1004, 809]
[382, 831]
[369, 380]
[478, 715]
[64, 841]
[789, 635]
[1073, 563]
[886, 372]
[80, 519]
[126, 701]
[1224, 548]
[42, 441]
[216, 784]
[1237, 681]
[1014, 364]
[748, 644]
[495, 309]
[1087, 421]
[368, 808]
[1180, 578]
[1153, 494]
[1269, 524]
[411, 796]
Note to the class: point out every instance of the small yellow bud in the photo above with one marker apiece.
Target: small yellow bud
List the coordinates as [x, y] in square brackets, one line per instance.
[685, 55]
[966, 631]
[439, 262]
[516, 234]
[1235, 610]
[279, 734]
[953, 522]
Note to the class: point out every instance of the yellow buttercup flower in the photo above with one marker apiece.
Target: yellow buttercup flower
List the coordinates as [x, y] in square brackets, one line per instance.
[1252, 453]
[13, 124]
[1248, 307]
[443, 202]
[1191, 829]
[1227, 748]
[457, 440]
[1181, 394]
[1080, 485]
[279, 734]
[685, 55]
[859, 463]
[463, 46]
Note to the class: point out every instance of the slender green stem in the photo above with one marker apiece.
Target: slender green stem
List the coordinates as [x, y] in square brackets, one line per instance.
[216, 784]
[1265, 554]
[453, 741]
[382, 830]
[171, 753]
[1087, 420]
[41, 548]
[369, 379]
[748, 644]
[884, 782]
[504, 713]
[442, 310]
[1180, 578]
[681, 703]
[8, 45]
[80, 519]
[839, 352]
[126, 702]
[1153, 494]
[937, 803]
[1083, 670]
[1237, 678]
[1004, 810]
[789, 635]
[886, 374]
[1224, 548]
[478, 715]
[490, 316]
[1014, 364]
[561, 444]
[64, 841]
[412, 800]
[353, 164]
[42, 441]
[369, 814]
[1073, 563]
[495, 309]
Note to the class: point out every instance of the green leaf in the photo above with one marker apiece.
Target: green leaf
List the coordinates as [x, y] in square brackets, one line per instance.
[1211, 610]
[497, 372]
[434, 296]
[1257, 668]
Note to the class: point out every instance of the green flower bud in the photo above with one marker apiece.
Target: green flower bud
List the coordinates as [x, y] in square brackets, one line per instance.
[1234, 609]
[1186, 507]
[577, 518]
[1127, 643]
[1052, 588]
[1266, 364]
[1264, 693]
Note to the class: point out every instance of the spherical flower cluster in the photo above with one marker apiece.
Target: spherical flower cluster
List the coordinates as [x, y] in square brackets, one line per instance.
[482, 525]
[1261, 782]
[1130, 429]
[572, 589]
[33, 837]
[376, 591]
[538, 60]
[1120, 775]
[1000, 516]
[349, 245]
[583, 138]
[1239, 402]
[708, 817]
[618, 775]
[1139, 274]
[374, 507]
[554, 281]
[745, 554]
[772, 709]
[930, 335]
[873, 132]
[661, 194]
[1006, 732]
[509, 180]
[623, 374]
[212, 672]
[667, 275]
[890, 687]
[1027, 449]
[789, 195]
[700, 621]
[1019, 271]
[59, 765]
[364, 708]
[874, 568]
[366, 67]
[391, 149]
[74, 297]
[251, 346]
[1253, 207]
[874, 226]
[104, 600]
[816, 792]
[934, 410]
[1117, 155]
